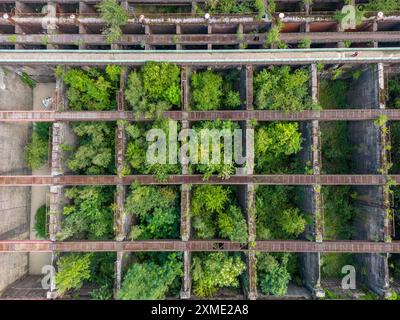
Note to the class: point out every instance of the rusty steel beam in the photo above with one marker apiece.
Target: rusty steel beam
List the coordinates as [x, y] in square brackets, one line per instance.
[197, 245]
[235, 115]
[217, 39]
[75, 180]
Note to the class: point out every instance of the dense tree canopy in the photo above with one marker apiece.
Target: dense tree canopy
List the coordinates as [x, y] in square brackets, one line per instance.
[151, 279]
[37, 151]
[215, 213]
[273, 274]
[158, 212]
[92, 89]
[274, 143]
[154, 88]
[212, 271]
[212, 91]
[281, 88]
[90, 214]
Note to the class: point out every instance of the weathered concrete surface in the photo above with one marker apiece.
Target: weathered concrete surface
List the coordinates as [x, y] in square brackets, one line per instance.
[368, 222]
[14, 201]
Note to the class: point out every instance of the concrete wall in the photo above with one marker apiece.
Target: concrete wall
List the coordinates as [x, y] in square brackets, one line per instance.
[368, 222]
[14, 201]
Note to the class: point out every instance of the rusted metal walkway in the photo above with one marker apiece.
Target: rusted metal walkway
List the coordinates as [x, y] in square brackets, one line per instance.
[197, 245]
[76, 180]
[201, 57]
[238, 115]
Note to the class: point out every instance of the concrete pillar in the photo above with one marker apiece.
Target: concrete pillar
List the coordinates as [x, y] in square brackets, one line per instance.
[209, 31]
[178, 32]
[185, 194]
[311, 201]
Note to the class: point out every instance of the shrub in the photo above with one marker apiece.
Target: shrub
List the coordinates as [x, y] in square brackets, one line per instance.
[158, 212]
[382, 5]
[36, 152]
[213, 271]
[214, 214]
[280, 88]
[150, 280]
[40, 226]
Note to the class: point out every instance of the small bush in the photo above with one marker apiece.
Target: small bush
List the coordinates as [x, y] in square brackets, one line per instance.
[40, 226]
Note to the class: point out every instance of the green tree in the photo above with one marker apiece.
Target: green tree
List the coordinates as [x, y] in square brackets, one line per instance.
[273, 275]
[280, 88]
[73, 271]
[95, 151]
[93, 89]
[115, 17]
[274, 142]
[214, 214]
[158, 212]
[213, 271]
[150, 280]
[90, 215]
[386, 6]
[206, 90]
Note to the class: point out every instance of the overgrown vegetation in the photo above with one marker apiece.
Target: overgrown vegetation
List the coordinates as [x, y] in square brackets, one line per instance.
[386, 6]
[277, 216]
[332, 264]
[205, 165]
[154, 276]
[92, 89]
[115, 17]
[281, 88]
[216, 214]
[138, 146]
[37, 151]
[94, 153]
[212, 90]
[234, 7]
[157, 210]
[275, 144]
[154, 88]
[89, 215]
[213, 271]
[41, 219]
[78, 269]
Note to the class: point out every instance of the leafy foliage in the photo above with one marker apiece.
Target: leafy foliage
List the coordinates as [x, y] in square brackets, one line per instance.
[92, 89]
[277, 217]
[115, 16]
[154, 89]
[213, 271]
[36, 152]
[231, 6]
[40, 225]
[150, 280]
[280, 88]
[158, 212]
[222, 169]
[385, 6]
[274, 143]
[212, 91]
[273, 274]
[213, 214]
[73, 271]
[138, 146]
[95, 151]
[339, 211]
[76, 269]
[332, 264]
[90, 215]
